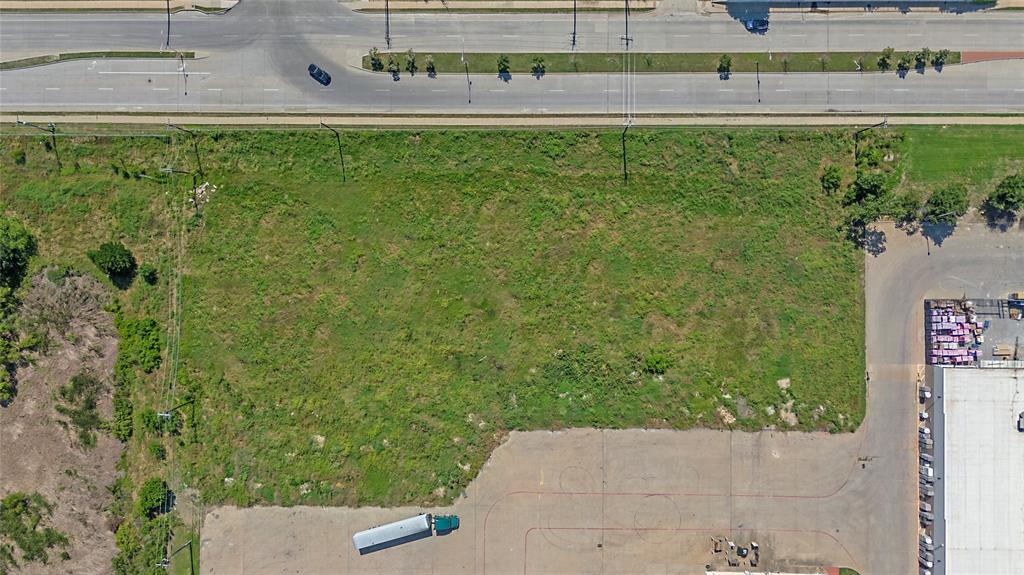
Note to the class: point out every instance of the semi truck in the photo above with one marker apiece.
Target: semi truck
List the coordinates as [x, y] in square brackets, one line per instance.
[404, 531]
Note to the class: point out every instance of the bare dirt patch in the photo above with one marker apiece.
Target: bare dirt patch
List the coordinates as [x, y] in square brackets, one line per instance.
[39, 455]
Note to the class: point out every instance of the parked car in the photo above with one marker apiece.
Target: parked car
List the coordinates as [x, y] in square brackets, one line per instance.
[926, 506]
[927, 458]
[1020, 422]
[319, 75]
[926, 442]
[756, 25]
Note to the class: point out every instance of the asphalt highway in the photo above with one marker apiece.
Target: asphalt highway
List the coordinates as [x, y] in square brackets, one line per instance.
[254, 59]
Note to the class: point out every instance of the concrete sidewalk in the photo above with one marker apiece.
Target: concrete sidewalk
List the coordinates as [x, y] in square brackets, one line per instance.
[496, 5]
[115, 5]
[299, 121]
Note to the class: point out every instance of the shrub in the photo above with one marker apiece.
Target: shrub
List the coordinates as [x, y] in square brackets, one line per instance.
[6, 386]
[121, 426]
[156, 449]
[831, 179]
[1009, 194]
[392, 65]
[17, 246]
[80, 397]
[903, 64]
[431, 68]
[947, 204]
[18, 155]
[725, 64]
[147, 272]
[114, 260]
[657, 363]
[376, 64]
[21, 519]
[940, 58]
[885, 60]
[538, 66]
[149, 420]
[152, 499]
[922, 58]
[140, 343]
[410, 62]
[503, 63]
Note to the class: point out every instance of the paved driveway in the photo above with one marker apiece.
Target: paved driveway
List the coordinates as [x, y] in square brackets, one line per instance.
[588, 501]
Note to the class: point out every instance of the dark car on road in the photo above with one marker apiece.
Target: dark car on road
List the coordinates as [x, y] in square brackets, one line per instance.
[319, 75]
[756, 25]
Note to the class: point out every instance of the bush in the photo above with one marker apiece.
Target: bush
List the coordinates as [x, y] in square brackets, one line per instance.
[152, 499]
[885, 60]
[392, 65]
[80, 398]
[725, 64]
[947, 204]
[940, 57]
[21, 519]
[539, 66]
[410, 62]
[831, 179]
[1009, 194]
[503, 63]
[431, 68]
[18, 155]
[657, 363]
[140, 343]
[149, 420]
[147, 272]
[114, 260]
[376, 64]
[157, 450]
[17, 246]
[121, 427]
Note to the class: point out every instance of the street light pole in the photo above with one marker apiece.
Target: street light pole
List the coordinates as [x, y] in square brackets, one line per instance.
[387, 25]
[53, 138]
[337, 136]
[856, 135]
[573, 24]
[167, 43]
[757, 66]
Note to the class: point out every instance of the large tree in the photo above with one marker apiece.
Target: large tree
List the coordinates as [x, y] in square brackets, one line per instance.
[947, 204]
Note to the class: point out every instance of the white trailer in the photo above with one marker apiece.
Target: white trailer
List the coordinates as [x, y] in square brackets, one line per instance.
[391, 534]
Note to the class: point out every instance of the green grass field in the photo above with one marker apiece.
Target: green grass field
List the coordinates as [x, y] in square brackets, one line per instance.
[465, 283]
[977, 158]
[593, 62]
[370, 342]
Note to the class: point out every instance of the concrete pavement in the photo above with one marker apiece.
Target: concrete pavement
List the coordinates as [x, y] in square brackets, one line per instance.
[257, 55]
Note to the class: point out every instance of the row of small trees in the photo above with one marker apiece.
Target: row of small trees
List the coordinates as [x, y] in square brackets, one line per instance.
[919, 59]
[378, 64]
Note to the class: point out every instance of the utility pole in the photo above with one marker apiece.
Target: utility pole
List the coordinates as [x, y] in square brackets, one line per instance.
[628, 90]
[195, 148]
[53, 138]
[469, 83]
[195, 185]
[387, 25]
[337, 136]
[166, 561]
[625, 170]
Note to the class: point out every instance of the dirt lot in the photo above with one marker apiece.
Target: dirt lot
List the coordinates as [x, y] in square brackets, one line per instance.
[39, 455]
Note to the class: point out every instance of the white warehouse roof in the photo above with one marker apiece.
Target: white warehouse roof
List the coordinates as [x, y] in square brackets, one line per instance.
[984, 471]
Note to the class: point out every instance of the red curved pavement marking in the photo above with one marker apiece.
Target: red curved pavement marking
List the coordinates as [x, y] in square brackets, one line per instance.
[972, 57]
[526, 536]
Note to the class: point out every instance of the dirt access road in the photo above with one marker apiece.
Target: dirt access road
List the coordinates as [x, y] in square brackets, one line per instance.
[588, 501]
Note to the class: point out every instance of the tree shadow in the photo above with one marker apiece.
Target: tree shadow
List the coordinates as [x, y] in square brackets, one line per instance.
[724, 74]
[874, 242]
[997, 219]
[395, 76]
[505, 76]
[538, 73]
[902, 73]
[123, 281]
[937, 232]
[431, 74]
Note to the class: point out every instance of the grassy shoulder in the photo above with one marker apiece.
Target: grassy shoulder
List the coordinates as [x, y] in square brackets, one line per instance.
[593, 62]
[66, 56]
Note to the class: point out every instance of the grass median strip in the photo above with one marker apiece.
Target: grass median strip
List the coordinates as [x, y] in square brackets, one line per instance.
[653, 62]
[63, 57]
